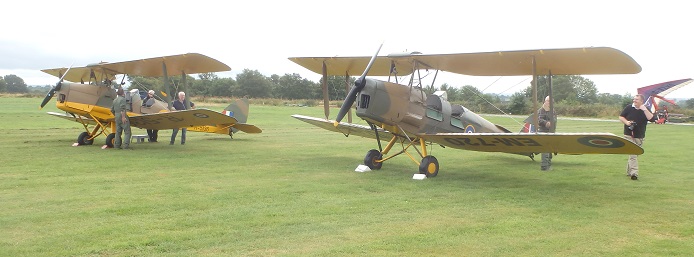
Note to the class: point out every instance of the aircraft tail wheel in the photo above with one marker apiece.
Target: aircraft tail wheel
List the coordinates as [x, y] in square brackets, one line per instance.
[83, 139]
[110, 140]
[429, 166]
[371, 157]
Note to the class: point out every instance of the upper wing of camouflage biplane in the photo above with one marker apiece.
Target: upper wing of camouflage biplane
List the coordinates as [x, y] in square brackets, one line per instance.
[568, 61]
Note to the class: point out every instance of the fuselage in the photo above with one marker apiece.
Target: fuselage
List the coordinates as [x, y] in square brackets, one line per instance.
[409, 109]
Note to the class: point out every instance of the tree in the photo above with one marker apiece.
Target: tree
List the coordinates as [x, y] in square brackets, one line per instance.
[252, 83]
[293, 86]
[518, 104]
[689, 103]
[336, 87]
[3, 85]
[571, 88]
[15, 84]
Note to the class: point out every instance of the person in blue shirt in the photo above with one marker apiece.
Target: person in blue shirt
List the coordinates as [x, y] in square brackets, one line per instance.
[180, 104]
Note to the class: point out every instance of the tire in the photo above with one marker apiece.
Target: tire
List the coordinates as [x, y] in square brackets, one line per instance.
[110, 140]
[429, 166]
[83, 139]
[371, 157]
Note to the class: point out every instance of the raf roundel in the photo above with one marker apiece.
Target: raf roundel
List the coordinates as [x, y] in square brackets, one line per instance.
[600, 142]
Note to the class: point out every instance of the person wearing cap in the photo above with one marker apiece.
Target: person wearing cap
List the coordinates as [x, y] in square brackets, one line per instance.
[122, 122]
[152, 134]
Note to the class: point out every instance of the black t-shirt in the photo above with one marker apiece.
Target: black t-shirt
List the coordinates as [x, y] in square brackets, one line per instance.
[631, 113]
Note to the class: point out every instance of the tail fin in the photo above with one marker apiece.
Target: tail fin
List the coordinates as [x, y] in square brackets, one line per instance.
[528, 126]
[238, 109]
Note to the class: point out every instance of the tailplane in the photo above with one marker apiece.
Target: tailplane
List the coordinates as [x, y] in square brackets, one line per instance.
[239, 110]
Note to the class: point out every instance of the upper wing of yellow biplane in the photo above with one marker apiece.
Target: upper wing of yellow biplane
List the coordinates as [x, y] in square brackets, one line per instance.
[343, 127]
[190, 63]
[81, 74]
[181, 119]
[566, 143]
[567, 61]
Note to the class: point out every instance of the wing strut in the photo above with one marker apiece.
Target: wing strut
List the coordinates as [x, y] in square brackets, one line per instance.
[326, 98]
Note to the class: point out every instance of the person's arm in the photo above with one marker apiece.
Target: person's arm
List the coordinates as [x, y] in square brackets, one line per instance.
[624, 120]
[649, 114]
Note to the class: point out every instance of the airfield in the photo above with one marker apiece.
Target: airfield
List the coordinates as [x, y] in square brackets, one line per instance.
[292, 191]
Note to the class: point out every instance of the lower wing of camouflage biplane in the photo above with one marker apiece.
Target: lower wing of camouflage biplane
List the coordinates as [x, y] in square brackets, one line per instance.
[564, 143]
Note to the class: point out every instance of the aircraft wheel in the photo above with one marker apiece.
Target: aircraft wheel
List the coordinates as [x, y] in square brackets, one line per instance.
[370, 159]
[231, 133]
[429, 166]
[110, 140]
[83, 139]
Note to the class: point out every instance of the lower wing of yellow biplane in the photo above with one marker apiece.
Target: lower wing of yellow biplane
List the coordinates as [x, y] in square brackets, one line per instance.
[180, 119]
[75, 118]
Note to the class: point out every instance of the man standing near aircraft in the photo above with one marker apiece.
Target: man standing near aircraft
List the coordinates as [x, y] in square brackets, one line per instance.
[122, 122]
[152, 134]
[180, 104]
[545, 120]
[635, 117]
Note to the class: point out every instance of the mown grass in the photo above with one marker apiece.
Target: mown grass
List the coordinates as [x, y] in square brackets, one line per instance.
[292, 191]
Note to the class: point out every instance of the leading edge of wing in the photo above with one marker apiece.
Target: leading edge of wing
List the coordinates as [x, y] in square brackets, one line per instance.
[78, 119]
[344, 128]
[181, 119]
[565, 143]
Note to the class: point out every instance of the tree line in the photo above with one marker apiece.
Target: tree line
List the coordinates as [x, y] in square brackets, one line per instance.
[568, 90]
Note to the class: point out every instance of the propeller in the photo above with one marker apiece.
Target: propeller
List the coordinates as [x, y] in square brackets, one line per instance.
[358, 86]
[52, 91]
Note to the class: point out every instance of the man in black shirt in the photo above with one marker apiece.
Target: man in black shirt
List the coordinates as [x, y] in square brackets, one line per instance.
[635, 117]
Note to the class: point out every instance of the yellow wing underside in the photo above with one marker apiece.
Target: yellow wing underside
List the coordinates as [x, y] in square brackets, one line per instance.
[568, 61]
[565, 143]
[181, 119]
[344, 128]
[190, 63]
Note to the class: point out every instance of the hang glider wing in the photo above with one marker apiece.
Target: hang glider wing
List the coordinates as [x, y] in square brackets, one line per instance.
[190, 63]
[75, 118]
[654, 93]
[565, 143]
[180, 119]
[344, 127]
[567, 61]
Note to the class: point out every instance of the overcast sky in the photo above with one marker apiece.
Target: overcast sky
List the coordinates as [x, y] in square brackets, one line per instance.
[261, 35]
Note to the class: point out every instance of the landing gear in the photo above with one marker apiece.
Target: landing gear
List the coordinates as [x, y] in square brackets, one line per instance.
[83, 139]
[371, 159]
[429, 166]
[231, 133]
[110, 140]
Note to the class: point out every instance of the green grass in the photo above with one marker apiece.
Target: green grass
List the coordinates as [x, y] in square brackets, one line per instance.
[292, 191]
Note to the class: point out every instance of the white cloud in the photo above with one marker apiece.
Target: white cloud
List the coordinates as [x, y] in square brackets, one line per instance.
[261, 35]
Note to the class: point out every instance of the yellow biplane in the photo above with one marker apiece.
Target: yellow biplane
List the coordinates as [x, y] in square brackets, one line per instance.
[87, 99]
[407, 116]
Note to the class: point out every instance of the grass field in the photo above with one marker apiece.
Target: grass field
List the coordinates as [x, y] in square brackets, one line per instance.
[292, 191]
